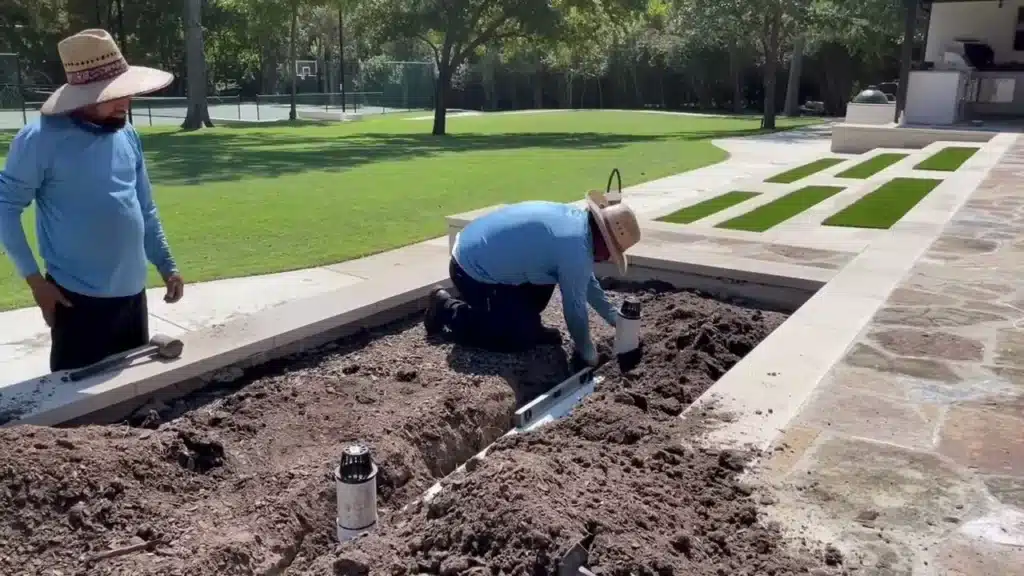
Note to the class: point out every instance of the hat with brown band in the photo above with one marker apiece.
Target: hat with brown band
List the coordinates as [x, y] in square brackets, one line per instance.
[617, 224]
[97, 72]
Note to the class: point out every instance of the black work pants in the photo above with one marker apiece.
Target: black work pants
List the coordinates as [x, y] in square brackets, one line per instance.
[94, 328]
[499, 317]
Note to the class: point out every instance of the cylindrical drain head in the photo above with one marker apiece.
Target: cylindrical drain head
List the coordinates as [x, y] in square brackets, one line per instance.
[627, 327]
[356, 480]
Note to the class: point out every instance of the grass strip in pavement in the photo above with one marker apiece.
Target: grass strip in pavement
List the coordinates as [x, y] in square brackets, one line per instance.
[708, 207]
[790, 176]
[885, 205]
[872, 166]
[781, 209]
[947, 159]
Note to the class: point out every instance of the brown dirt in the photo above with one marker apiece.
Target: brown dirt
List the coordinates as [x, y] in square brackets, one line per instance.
[617, 474]
[239, 476]
[238, 481]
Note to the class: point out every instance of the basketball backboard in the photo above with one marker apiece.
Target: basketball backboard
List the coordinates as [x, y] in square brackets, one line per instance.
[305, 68]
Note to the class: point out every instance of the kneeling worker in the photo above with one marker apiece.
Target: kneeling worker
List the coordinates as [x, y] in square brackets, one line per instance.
[505, 266]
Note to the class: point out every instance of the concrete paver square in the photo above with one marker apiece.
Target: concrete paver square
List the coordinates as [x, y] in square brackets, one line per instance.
[866, 415]
[788, 449]
[961, 556]
[1010, 347]
[912, 492]
[865, 356]
[216, 302]
[1008, 490]
[986, 441]
[25, 350]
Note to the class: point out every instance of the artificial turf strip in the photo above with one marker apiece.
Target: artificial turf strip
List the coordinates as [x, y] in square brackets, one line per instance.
[790, 176]
[947, 159]
[884, 206]
[708, 207]
[872, 166]
[781, 209]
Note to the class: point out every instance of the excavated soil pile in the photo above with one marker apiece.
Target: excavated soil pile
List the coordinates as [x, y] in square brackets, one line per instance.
[618, 475]
[238, 480]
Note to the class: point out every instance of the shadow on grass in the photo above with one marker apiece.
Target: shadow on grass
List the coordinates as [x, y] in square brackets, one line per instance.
[228, 155]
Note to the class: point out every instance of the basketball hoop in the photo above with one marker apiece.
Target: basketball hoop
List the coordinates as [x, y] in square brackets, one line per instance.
[305, 68]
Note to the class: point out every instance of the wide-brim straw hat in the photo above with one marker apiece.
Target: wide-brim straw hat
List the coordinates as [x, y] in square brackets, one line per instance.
[617, 224]
[97, 72]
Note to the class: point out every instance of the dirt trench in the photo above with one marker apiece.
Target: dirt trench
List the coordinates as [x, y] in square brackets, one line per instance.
[623, 476]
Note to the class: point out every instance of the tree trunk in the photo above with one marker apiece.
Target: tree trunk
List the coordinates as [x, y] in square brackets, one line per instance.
[292, 114]
[341, 54]
[736, 73]
[600, 94]
[123, 40]
[444, 80]
[538, 89]
[771, 64]
[198, 114]
[793, 86]
[661, 86]
[770, 69]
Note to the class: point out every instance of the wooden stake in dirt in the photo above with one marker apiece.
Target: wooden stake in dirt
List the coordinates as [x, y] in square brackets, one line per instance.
[125, 550]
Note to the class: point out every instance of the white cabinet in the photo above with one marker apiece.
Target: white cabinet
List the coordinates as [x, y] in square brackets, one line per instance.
[935, 97]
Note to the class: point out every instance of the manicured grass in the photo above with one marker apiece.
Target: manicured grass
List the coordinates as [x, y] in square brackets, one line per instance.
[238, 201]
[790, 176]
[872, 166]
[885, 206]
[781, 209]
[708, 207]
[947, 159]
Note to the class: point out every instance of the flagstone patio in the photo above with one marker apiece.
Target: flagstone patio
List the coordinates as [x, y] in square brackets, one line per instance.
[910, 455]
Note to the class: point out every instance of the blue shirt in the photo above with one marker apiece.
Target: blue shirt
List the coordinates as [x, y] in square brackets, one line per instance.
[96, 221]
[539, 243]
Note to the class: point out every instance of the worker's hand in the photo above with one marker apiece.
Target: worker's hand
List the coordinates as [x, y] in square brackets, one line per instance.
[175, 288]
[47, 296]
[579, 361]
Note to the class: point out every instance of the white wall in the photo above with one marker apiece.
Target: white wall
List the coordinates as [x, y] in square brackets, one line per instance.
[870, 113]
[985, 21]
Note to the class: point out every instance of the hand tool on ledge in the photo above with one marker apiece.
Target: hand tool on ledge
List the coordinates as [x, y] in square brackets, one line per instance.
[160, 346]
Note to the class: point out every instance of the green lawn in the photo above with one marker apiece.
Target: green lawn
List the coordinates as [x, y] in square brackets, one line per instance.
[884, 206]
[947, 159]
[241, 201]
[781, 209]
[872, 166]
[800, 172]
[707, 207]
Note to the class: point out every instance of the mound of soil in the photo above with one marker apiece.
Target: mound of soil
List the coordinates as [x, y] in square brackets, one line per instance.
[617, 476]
[238, 479]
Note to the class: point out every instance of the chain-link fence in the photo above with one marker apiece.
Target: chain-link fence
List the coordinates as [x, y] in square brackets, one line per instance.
[399, 85]
[12, 99]
[380, 87]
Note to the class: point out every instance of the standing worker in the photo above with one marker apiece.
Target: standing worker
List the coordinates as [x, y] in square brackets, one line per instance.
[82, 165]
[505, 266]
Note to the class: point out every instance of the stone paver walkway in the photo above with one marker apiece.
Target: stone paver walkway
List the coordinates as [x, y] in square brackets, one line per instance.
[910, 455]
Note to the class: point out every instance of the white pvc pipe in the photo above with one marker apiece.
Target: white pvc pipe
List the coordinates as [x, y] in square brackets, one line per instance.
[627, 328]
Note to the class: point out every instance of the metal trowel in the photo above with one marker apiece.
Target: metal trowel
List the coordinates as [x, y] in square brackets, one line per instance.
[573, 562]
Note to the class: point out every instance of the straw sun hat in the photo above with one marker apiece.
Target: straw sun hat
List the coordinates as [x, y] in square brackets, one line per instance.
[97, 72]
[617, 224]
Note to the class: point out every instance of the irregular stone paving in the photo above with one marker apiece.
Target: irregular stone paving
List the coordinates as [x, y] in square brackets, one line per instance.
[764, 251]
[910, 456]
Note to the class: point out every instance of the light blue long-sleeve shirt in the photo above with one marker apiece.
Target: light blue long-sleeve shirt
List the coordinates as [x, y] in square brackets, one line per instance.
[539, 243]
[96, 221]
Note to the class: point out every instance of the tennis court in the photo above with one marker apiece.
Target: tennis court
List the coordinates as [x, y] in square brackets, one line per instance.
[163, 111]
